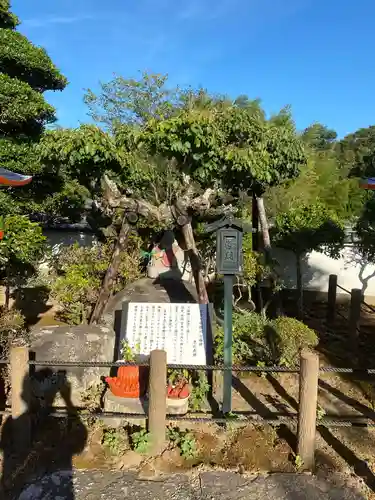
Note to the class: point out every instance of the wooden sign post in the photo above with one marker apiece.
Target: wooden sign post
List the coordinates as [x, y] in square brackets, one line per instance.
[229, 233]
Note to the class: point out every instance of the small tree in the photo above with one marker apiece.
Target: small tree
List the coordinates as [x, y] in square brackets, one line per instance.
[131, 101]
[365, 228]
[21, 248]
[229, 149]
[26, 74]
[305, 228]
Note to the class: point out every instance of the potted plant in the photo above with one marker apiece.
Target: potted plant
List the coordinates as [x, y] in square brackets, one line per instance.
[131, 380]
[178, 391]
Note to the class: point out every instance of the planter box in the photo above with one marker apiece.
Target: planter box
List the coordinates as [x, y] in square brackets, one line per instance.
[177, 406]
[139, 406]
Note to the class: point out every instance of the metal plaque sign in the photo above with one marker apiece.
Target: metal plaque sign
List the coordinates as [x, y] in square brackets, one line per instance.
[179, 329]
[228, 251]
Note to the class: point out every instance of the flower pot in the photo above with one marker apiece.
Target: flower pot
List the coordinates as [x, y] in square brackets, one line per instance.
[130, 382]
[178, 406]
[152, 271]
[178, 392]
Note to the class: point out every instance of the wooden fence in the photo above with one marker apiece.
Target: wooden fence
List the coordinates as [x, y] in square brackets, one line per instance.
[308, 370]
[354, 317]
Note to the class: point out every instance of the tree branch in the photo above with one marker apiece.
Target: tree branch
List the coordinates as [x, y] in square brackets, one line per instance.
[163, 212]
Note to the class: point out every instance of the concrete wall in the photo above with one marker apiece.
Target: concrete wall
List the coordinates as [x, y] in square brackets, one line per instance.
[351, 269]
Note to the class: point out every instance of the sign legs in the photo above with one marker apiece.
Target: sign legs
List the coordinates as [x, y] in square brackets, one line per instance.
[227, 389]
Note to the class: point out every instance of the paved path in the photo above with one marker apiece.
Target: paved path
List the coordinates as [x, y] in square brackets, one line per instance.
[98, 485]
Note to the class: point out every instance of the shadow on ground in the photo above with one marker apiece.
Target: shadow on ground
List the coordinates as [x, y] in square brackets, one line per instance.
[36, 443]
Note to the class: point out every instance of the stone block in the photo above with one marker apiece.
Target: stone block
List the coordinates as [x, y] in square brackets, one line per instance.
[71, 343]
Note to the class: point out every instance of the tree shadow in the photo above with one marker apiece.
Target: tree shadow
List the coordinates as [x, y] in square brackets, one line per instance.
[303, 487]
[360, 466]
[175, 288]
[38, 447]
[261, 409]
[356, 405]
[354, 259]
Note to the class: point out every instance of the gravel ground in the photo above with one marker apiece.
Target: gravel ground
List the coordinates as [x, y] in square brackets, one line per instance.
[105, 485]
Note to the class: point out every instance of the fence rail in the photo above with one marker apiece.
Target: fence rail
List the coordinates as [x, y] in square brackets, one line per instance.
[233, 368]
[332, 295]
[305, 419]
[354, 317]
[341, 287]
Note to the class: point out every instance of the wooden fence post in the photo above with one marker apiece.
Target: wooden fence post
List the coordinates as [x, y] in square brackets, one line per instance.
[21, 397]
[308, 399]
[157, 400]
[354, 320]
[332, 292]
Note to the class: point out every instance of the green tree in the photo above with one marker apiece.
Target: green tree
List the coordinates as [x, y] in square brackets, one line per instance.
[131, 101]
[228, 150]
[134, 101]
[305, 228]
[321, 179]
[82, 154]
[356, 152]
[319, 137]
[21, 248]
[231, 149]
[365, 229]
[26, 72]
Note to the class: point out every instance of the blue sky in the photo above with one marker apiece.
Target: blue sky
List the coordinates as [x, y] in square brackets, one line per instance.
[318, 56]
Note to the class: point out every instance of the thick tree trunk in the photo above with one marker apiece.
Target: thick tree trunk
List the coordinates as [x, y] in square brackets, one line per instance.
[111, 274]
[299, 287]
[195, 263]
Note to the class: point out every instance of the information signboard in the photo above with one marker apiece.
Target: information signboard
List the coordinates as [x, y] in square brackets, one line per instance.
[179, 329]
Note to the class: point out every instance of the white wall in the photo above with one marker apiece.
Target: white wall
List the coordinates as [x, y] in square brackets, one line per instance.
[351, 269]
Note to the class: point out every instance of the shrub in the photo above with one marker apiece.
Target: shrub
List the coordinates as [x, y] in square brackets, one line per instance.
[257, 339]
[290, 336]
[115, 440]
[248, 339]
[140, 441]
[80, 272]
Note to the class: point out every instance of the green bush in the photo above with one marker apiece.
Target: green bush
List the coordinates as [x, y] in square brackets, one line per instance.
[248, 339]
[290, 337]
[79, 275]
[257, 339]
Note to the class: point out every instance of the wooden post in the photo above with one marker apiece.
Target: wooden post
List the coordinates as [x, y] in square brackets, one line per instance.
[354, 320]
[332, 292]
[21, 395]
[157, 400]
[308, 399]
